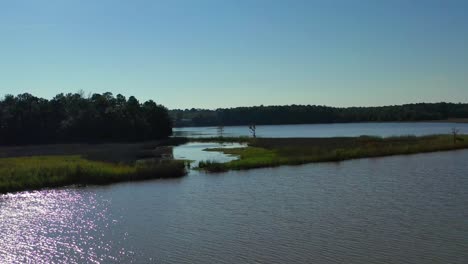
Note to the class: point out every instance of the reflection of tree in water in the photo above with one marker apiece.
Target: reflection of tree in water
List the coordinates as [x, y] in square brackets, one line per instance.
[165, 152]
[220, 130]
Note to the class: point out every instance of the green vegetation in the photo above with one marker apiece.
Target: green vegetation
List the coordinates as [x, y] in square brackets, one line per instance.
[24, 173]
[313, 114]
[212, 166]
[39, 166]
[271, 152]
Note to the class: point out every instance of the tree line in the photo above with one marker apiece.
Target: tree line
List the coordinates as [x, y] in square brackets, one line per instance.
[73, 117]
[312, 114]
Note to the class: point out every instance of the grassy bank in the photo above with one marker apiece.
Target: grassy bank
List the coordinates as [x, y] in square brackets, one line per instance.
[25, 173]
[109, 152]
[271, 152]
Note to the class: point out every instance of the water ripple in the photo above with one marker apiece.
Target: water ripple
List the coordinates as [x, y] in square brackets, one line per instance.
[401, 209]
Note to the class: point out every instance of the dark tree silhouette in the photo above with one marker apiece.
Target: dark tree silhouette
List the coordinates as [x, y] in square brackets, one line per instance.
[313, 114]
[253, 130]
[26, 119]
[455, 132]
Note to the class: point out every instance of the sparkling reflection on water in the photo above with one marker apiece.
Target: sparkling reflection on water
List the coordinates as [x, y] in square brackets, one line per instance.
[50, 226]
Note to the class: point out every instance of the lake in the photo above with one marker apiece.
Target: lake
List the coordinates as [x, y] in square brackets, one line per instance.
[328, 130]
[400, 209]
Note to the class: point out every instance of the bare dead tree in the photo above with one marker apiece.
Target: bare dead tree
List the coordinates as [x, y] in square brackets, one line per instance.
[253, 130]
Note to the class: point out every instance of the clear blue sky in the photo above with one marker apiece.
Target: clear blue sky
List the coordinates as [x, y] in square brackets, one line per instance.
[212, 53]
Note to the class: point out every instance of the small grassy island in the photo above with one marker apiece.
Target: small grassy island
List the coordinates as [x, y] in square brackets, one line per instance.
[272, 152]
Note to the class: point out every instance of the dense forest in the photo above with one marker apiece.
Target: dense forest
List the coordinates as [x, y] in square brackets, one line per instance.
[311, 114]
[26, 119]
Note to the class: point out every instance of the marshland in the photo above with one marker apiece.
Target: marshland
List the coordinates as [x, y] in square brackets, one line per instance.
[273, 152]
[155, 196]
[234, 131]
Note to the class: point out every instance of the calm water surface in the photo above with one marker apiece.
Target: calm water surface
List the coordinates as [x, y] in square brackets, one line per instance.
[195, 151]
[328, 130]
[401, 209]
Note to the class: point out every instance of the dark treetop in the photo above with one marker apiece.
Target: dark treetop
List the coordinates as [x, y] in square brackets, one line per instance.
[26, 119]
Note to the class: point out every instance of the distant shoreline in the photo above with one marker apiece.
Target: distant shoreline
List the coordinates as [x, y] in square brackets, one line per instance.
[450, 120]
[319, 114]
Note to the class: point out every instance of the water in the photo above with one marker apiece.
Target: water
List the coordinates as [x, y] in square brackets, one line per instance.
[401, 209]
[195, 152]
[328, 130]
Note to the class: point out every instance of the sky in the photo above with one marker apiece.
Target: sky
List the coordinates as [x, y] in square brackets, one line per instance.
[212, 53]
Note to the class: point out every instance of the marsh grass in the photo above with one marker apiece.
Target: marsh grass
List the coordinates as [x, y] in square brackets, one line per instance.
[271, 152]
[107, 152]
[24, 173]
[213, 166]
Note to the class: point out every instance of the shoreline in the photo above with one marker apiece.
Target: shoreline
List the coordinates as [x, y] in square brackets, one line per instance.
[449, 120]
[42, 166]
[35, 167]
